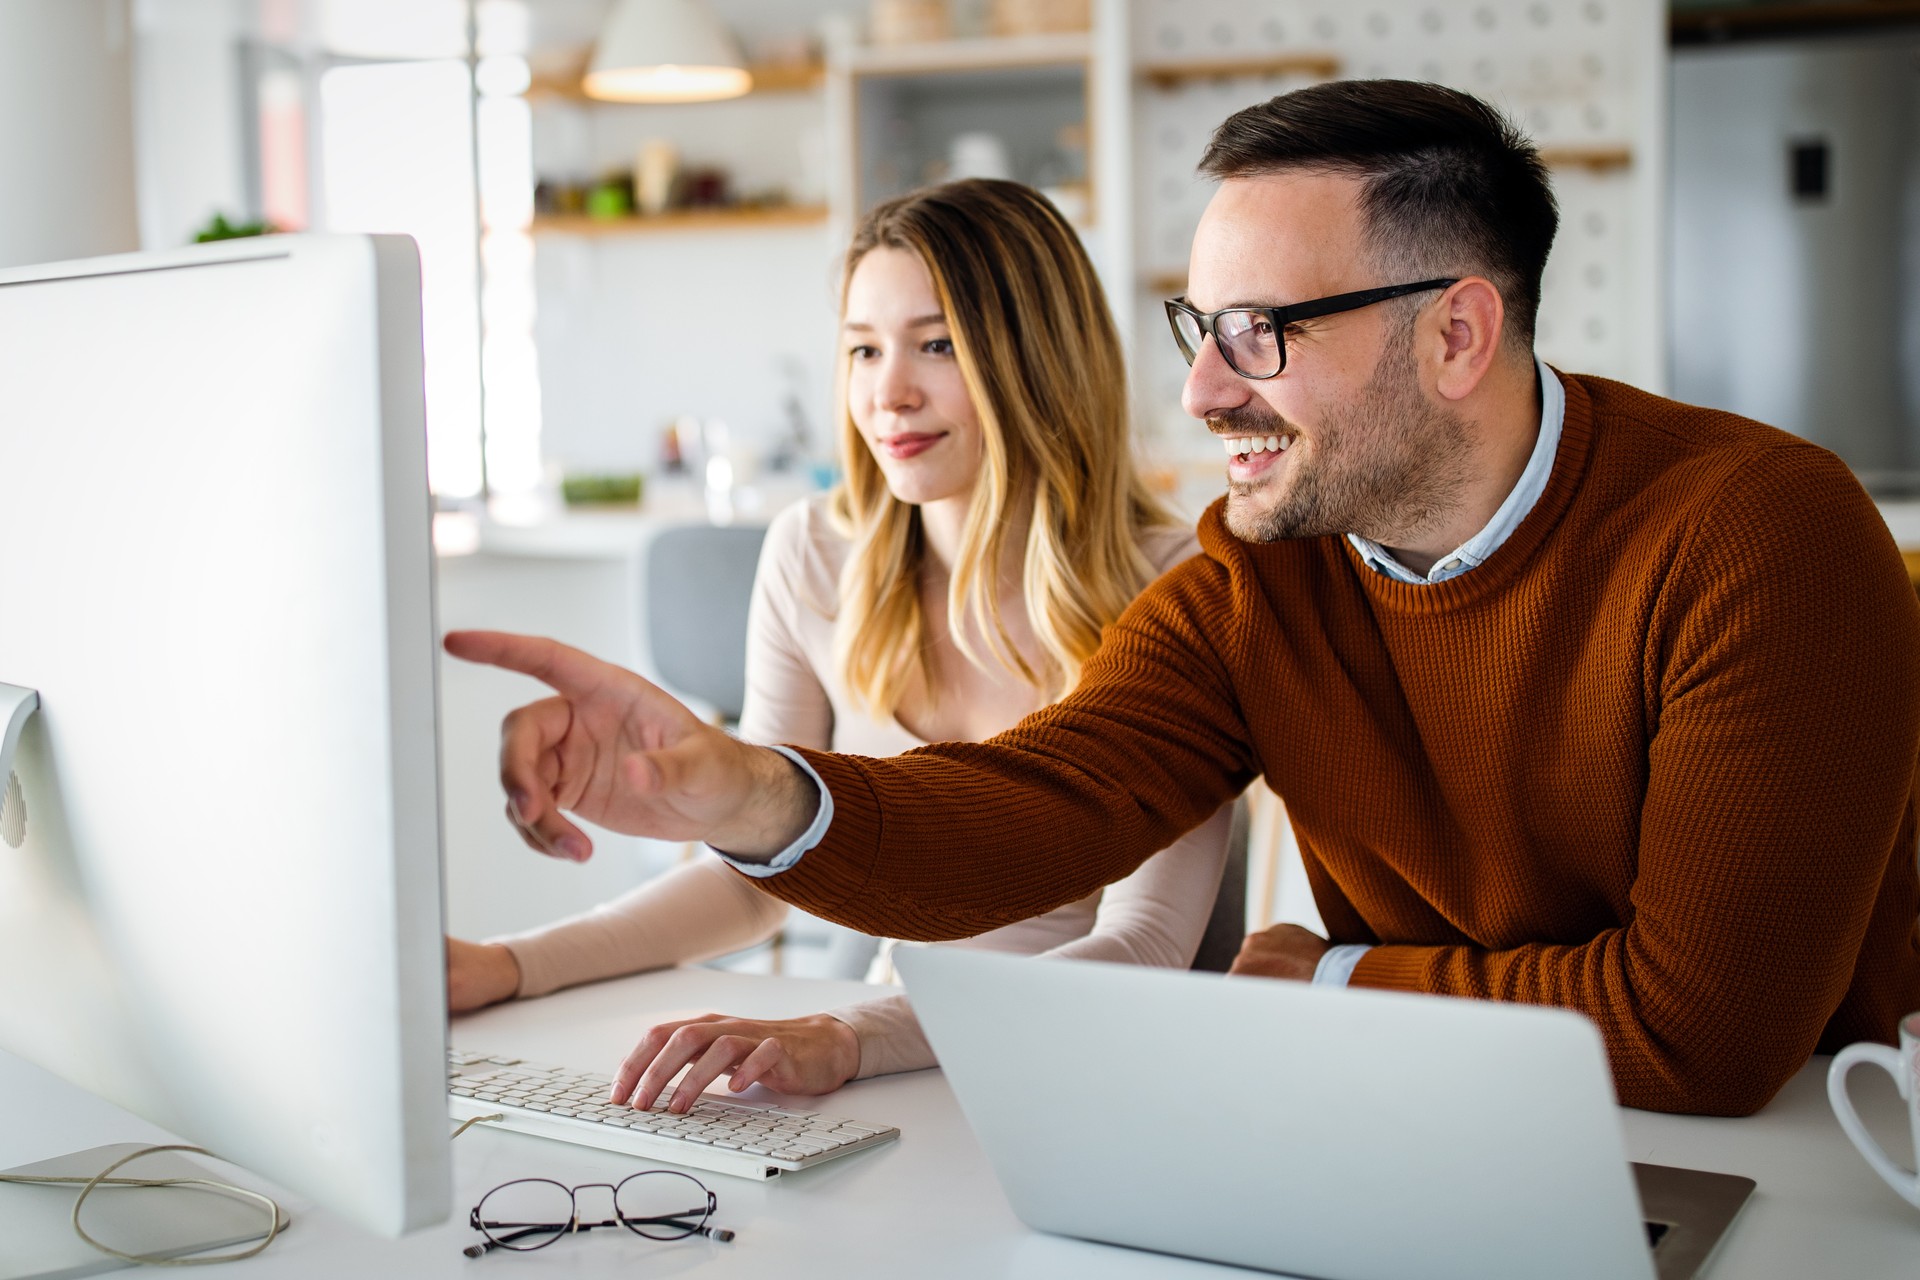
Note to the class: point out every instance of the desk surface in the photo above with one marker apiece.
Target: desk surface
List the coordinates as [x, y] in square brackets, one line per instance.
[928, 1205]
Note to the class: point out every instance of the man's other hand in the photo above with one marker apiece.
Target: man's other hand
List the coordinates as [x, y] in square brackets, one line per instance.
[1284, 951]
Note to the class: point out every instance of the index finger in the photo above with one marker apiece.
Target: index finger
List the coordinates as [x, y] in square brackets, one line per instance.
[561, 667]
[635, 1064]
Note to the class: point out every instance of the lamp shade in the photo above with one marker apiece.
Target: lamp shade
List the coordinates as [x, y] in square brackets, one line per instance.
[665, 51]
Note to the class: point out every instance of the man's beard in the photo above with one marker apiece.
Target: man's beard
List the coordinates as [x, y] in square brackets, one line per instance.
[1387, 465]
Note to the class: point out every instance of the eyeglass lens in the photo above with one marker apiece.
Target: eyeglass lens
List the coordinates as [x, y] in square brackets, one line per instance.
[529, 1214]
[1246, 338]
[662, 1205]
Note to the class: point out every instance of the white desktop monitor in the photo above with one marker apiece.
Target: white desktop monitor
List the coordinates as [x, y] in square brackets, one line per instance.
[220, 900]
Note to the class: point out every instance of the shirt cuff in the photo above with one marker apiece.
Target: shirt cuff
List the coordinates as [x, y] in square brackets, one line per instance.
[1336, 965]
[812, 836]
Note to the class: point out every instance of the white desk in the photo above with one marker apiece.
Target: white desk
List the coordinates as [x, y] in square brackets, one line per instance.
[928, 1205]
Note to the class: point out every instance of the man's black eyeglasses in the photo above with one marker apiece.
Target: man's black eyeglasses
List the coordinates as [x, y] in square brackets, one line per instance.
[531, 1213]
[1252, 339]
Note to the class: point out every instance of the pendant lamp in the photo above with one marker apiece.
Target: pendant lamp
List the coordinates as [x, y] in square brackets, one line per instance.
[665, 51]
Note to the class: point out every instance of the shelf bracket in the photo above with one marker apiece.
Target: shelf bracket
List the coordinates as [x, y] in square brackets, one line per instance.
[17, 705]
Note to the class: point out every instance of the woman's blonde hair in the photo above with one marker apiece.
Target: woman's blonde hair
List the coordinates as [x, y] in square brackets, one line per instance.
[1041, 361]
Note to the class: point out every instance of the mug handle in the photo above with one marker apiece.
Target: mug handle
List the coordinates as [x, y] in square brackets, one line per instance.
[1904, 1181]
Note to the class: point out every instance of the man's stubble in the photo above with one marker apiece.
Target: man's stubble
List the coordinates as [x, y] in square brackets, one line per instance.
[1386, 466]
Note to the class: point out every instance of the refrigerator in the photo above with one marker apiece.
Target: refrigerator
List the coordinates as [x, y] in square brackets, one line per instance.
[1795, 241]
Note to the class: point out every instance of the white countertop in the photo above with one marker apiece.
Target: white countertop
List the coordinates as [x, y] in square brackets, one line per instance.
[928, 1205]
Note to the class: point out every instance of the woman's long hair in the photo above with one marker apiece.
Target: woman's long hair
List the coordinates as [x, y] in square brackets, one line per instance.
[1041, 360]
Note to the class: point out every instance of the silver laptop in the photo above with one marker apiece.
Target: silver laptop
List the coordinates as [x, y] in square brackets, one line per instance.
[1346, 1134]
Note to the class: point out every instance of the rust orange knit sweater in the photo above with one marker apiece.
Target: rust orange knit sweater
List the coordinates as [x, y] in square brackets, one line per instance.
[1654, 760]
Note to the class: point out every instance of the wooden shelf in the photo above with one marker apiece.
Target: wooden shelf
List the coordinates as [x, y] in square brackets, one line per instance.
[1598, 159]
[768, 77]
[722, 219]
[986, 53]
[1697, 26]
[1171, 75]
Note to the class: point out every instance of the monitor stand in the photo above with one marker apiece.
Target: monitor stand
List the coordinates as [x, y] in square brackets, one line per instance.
[17, 705]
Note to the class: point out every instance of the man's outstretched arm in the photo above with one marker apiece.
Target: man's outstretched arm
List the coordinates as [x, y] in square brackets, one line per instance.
[964, 837]
[958, 838]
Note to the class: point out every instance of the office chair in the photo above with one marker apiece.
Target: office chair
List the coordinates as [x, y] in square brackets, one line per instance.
[696, 581]
[1227, 926]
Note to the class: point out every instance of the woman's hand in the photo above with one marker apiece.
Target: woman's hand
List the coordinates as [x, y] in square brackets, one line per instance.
[479, 974]
[814, 1054]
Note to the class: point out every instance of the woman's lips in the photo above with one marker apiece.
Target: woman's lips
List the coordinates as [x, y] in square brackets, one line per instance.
[911, 444]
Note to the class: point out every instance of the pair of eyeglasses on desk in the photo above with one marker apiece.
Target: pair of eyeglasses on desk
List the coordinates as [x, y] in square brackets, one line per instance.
[531, 1213]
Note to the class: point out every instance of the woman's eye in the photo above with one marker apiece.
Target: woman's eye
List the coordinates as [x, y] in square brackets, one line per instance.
[940, 346]
[862, 352]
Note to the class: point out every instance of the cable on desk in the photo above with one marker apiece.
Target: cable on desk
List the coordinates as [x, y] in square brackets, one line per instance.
[104, 1179]
[470, 1121]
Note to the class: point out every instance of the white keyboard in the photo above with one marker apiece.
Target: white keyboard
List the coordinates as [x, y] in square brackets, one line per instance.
[745, 1139]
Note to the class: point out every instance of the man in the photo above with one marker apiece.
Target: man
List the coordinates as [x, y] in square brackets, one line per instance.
[1575, 695]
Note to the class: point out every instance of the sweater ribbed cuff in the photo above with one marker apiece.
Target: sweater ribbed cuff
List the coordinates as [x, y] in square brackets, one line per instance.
[841, 865]
[1392, 968]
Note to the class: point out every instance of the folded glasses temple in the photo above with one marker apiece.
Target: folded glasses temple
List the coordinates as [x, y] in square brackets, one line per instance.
[521, 1230]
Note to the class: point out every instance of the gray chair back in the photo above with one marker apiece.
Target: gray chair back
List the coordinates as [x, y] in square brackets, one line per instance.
[696, 584]
[1227, 926]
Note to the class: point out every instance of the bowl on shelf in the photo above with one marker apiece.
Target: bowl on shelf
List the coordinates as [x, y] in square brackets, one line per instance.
[602, 489]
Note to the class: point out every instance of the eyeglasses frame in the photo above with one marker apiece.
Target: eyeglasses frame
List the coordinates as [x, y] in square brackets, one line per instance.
[573, 1225]
[1281, 317]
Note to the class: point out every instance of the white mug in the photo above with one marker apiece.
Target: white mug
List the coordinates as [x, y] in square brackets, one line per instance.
[1903, 1064]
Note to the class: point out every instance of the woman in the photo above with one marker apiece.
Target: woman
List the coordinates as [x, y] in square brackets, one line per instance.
[990, 525]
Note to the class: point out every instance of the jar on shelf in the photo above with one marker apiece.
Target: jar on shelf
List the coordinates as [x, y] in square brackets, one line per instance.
[1038, 17]
[909, 21]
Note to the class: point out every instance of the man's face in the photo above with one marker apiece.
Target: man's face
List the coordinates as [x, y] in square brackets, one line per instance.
[1367, 448]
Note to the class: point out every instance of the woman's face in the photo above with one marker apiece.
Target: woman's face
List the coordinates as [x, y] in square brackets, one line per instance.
[904, 388]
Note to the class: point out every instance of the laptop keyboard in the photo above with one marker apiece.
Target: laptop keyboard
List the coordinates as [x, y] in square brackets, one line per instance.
[749, 1140]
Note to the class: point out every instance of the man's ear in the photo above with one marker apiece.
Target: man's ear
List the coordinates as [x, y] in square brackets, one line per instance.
[1465, 327]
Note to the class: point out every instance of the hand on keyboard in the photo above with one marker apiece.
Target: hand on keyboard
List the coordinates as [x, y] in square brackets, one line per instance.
[747, 1139]
[810, 1055]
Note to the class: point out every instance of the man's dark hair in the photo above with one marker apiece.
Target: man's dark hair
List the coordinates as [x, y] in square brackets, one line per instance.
[1451, 187]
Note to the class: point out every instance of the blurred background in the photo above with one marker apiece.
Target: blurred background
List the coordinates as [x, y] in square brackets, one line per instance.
[630, 305]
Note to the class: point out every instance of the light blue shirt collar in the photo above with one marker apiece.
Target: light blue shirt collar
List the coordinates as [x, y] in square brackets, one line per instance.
[1532, 483]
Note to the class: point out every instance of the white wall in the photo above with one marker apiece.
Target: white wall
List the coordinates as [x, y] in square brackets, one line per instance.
[188, 117]
[66, 130]
[637, 330]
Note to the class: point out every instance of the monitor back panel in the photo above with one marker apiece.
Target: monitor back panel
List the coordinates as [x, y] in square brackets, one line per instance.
[216, 569]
